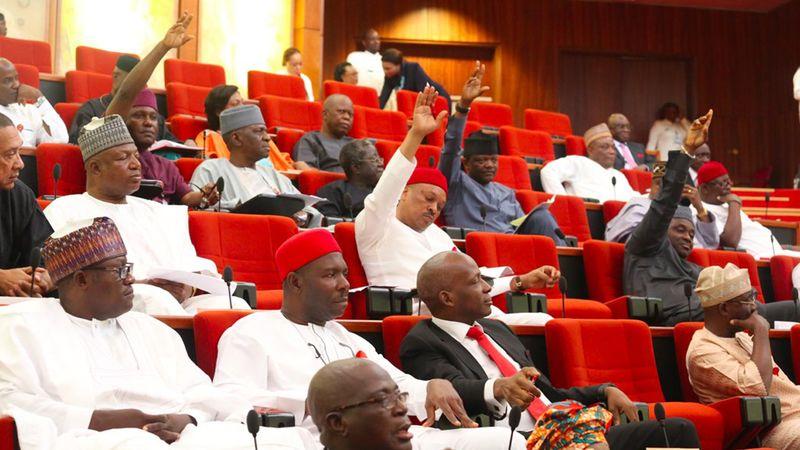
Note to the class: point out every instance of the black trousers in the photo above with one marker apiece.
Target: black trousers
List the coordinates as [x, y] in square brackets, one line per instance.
[640, 435]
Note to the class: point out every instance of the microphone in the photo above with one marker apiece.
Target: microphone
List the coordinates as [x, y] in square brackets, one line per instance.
[253, 425]
[483, 217]
[766, 211]
[227, 276]
[614, 185]
[514, 417]
[56, 177]
[220, 187]
[660, 416]
[36, 261]
[562, 286]
[794, 299]
[687, 291]
[347, 202]
[431, 161]
[561, 236]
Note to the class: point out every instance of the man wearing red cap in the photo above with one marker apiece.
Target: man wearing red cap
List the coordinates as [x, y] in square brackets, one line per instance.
[270, 357]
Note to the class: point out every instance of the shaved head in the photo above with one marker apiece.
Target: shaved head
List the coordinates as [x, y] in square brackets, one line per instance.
[9, 82]
[337, 115]
[335, 385]
[433, 277]
[451, 285]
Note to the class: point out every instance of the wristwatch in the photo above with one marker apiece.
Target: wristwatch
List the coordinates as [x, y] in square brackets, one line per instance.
[461, 109]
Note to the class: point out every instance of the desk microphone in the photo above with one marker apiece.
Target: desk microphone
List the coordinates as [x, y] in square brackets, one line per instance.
[514, 417]
[766, 211]
[483, 217]
[227, 276]
[254, 425]
[687, 291]
[56, 177]
[660, 416]
[36, 261]
[347, 202]
[220, 185]
[794, 299]
[431, 161]
[562, 286]
[614, 185]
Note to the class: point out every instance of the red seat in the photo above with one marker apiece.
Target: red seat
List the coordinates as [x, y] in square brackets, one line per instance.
[193, 73]
[781, 267]
[187, 166]
[742, 260]
[387, 149]
[569, 211]
[264, 83]
[794, 336]
[378, 124]
[209, 326]
[290, 113]
[575, 145]
[90, 59]
[345, 234]
[524, 253]
[521, 142]
[82, 86]
[611, 208]
[186, 99]
[557, 124]
[587, 352]
[640, 180]
[67, 112]
[28, 74]
[407, 99]
[187, 127]
[513, 172]
[394, 330]
[491, 114]
[8, 433]
[311, 180]
[73, 175]
[359, 95]
[24, 51]
[604, 281]
[286, 139]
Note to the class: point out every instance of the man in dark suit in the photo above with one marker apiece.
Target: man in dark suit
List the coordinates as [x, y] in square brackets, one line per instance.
[447, 347]
[630, 155]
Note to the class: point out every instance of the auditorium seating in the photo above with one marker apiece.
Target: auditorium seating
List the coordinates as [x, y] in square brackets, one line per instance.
[569, 211]
[264, 83]
[310, 181]
[187, 127]
[781, 267]
[490, 114]
[521, 142]
[24, 51]
[588, 352]
[611, 208]
[187, 166]
[82, 86]
[345, 234]
[67, 112]
[90, 59]
[575, 145]
[28, 74]
[359, 95]
[193, 73]
[639, 180]
[394, 330]
[387, 149]
[8, 433]
[186, 99]
[557, 124]
[524, 253]
[286, 138]
[378, 124]
[705, 258]
[290, 113]
[209, 327]
[513, 172]
[73, 175]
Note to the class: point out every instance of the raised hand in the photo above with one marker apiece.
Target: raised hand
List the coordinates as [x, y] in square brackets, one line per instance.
[698, 132]
[472, 87]
[424, 122]
[177, 33]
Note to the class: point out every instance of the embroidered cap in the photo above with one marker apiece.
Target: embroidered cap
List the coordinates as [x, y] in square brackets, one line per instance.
[80, 245]
[716, 285]
[103, 133]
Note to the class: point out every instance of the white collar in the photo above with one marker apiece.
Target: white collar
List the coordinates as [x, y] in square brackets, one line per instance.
[457, 330]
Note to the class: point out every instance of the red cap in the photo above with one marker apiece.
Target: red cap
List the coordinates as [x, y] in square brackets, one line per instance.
[146, 97]
[428, 175]
[710, 171]
[304, 248]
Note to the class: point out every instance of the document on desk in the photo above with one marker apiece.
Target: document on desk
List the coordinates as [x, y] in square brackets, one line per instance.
[204, 281]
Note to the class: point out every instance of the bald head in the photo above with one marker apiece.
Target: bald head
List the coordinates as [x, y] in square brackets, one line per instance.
[433, 276]
[330, 389]
[337, 116]
[620, 127]
[451, 285]
[9, 82]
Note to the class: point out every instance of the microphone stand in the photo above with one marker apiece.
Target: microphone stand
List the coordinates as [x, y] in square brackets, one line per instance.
[483, 217]
[614, 185]
[514, 417]
[562, 286]
[660, 416]
[687, 291]
[36, 260]
[227, 276]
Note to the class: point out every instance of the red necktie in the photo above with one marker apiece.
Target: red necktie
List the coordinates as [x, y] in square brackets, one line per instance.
[537, 406]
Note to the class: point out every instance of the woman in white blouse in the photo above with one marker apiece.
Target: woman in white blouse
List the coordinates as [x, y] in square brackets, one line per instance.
[293, 63]
[668, 132]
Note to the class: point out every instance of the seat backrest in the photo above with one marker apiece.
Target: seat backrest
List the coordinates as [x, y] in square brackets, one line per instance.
[682, 334]
[209, 326]
[529, 199]
[394, 330]
[24, 51]
[570, 213]
[193, 73]
[575, 145]
[512, 171]
[187, 166]
[606, 259]
[28, 74]
[555, 123]
[290, 113]
[187, 127]
[265, 83]
[521, 142]
[73, 174]
[82, 86]
[491, 114]
[311, 180]
[378, 124]
[90, 59]
[704, 257]
[582, 352]
[781, 267]
[407, 99]
[611, 208]
[359, 95]
[186, 99]
[640, 180]
[345, 234]
[387, 149]
[245, 242]
[286, 139]
[67, 112]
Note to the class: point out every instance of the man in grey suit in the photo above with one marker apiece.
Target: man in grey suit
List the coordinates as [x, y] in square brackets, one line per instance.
[630, 155]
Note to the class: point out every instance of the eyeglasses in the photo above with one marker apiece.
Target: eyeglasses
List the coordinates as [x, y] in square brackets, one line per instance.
[386, 401]
[749, 300]
[122, 271]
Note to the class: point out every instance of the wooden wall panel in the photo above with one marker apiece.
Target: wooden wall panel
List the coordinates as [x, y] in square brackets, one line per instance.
[742, 62]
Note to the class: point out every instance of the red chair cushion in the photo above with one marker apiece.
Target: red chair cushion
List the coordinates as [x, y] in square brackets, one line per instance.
[521, 142]
[8, 433]
[24, 51]
[682, 333]
[407, 99]
[569, 211]
[387, 149]
[359, 95]
[394, 330]
[82, 86]
[264, 83]
[187, 166]
[513, 172]
[287, 138]
[89, 59]
[209, 326]
[28, 74]
[193, 73]
[378, 124]
[706, 258]
[269, 299]
[67, 112]
[551, 122]
[640, 180]
[611, 208]
[345, 234]
[186, 99]
[491, 114]
[187, 127]
[311, 180]
[709, 422]
[575, 145]
[781, 267]
[606, 259]
[73, 174]
[290, 113]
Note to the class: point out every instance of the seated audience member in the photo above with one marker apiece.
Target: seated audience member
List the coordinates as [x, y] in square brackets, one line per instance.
[344, 72]
[124, 379]
[409, 76]
[320, 149]
[247, 139]
[735, 229]
[270, 357]
[668, 132]
[491, 369]
[630, 155]
[620, 227]
[656, 252]
[293, 65]
[96, 107]
[363, 167]
[593, 177]
[23, 226]
[472, 193]
[701, 156]
[396, 233]
[368, 61]
[3, 28]
[29, 110]
[724, 360]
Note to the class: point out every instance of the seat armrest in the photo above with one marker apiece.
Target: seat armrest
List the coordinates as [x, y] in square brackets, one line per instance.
[642, 409]
[457, 232]
[525, 302]
[247, 292]
[744, 419]
[388, 301]
[772, 411]
[275, 418]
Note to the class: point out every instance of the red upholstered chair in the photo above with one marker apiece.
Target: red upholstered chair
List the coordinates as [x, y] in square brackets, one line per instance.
[311, 180]
[587, 352]
[640, 180]
[387, 149]
[264, 83]
[82, 86]
[512, 171]
[90, 59]
[611, 208]
[286, 139]
[209, 326]
[407, 99]
[394, 330]
[28, 74]
[24, 51]
[359, 95]
[290, 113]
[186, 99]
[557, 124]
[575, 145]
[43, 203]
[781, 267]
[187, 127]
[604, 281]
[491, 114]
[193, 73]
[569, 211]
[8, 433]
[67, 112]
[345, 234]
[742, 260]
[794, 335]
[73, 175]
[187, 167]
[521, 142]
[524, 253]
[378, 124]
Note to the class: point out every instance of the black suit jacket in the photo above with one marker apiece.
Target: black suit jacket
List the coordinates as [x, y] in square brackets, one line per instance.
[637, 150]
[428, 352]
[414, 78]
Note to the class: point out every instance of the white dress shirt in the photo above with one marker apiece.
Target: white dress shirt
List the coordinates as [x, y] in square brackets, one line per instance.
[583, 177]
[756, 239]
[30, 119]
[370, 69]
[666, 136]
[693, 175]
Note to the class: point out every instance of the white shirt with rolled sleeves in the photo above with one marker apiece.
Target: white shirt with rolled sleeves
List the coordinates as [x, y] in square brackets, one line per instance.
[370, 69]
[30, 119]
[583, 177]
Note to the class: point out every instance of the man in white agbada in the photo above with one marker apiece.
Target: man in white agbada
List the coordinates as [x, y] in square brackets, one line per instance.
[396, 233]
[34, 117]
[592, 177]
[156, 235]
[86, 373]
[270, 357]
[245, 134]
[368, 62]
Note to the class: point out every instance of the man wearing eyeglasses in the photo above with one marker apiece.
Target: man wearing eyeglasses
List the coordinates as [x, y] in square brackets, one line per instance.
[724, 361]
